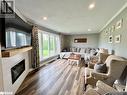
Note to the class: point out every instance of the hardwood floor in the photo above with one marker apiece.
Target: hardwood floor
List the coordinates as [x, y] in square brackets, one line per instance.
[61, 77]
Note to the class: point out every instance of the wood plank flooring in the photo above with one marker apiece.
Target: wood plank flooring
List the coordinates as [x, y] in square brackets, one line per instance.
[61, 77]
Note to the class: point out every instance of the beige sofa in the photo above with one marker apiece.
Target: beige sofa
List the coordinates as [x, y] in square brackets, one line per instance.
[84, 52]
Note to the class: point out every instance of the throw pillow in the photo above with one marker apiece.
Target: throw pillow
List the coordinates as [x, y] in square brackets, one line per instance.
[100, 68]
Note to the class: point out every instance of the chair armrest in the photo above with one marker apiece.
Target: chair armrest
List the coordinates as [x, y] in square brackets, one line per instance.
[116, 93]
[91, 92]
[91, 65]
[103, 88]
[99, 76]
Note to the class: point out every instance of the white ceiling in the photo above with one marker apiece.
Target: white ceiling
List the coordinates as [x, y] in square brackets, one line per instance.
[70, 16]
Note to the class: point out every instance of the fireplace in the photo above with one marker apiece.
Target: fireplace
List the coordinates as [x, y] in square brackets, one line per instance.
[17, 70]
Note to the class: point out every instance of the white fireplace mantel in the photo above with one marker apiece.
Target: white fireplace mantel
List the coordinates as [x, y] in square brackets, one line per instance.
[7, 64]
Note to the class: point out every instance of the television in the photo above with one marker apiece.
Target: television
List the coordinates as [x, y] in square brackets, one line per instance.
[15, 33]
[16, 38]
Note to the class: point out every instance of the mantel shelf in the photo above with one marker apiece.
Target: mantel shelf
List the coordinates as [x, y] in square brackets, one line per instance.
[9, 53]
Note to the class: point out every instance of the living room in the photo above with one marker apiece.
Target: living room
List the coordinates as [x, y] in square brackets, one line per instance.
[39, 47]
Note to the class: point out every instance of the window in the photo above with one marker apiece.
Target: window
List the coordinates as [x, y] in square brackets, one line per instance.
[49, 44]
[45, 45]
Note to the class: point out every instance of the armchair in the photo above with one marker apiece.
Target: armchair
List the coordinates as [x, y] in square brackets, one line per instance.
[115, 65]
[100, 89]
[104, 89]
[101, 57]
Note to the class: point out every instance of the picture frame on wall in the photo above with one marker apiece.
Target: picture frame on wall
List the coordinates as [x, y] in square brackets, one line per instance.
[119, 24]
[113, 28]
[109, 31]
[110, 39]
[106, 32]
[117, 38]
[80, 40]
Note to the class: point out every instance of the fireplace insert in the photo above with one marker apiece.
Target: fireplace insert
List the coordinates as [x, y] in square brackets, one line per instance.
[17, 70]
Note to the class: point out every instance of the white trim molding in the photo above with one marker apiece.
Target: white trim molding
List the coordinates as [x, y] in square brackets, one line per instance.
[125, 5]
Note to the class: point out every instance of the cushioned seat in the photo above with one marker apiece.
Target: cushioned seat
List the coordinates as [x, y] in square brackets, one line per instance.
[115, 65]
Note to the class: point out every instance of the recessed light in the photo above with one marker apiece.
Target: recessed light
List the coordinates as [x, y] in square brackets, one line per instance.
[91, 6]
[89, 29]
[44, 18]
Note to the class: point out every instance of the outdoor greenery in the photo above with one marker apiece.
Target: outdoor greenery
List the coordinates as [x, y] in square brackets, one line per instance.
[48, 45]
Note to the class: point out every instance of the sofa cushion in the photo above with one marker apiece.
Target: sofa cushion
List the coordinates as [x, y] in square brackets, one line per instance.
[82, 50]
[78, 49]
[100, 67]
[73, 49]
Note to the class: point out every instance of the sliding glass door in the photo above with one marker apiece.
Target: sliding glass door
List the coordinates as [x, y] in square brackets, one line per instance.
[48, 44]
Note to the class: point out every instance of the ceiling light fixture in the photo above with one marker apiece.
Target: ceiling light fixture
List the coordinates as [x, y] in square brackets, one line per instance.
[44, 18]
[91, 6]
[89, 29]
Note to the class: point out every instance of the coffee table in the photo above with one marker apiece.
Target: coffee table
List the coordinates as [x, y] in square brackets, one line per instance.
[75, 57]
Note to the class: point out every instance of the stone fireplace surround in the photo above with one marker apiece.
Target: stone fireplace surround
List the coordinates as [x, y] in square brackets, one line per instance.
[7, 64]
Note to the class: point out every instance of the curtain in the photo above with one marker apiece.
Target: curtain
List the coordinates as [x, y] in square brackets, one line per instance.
[35, 50]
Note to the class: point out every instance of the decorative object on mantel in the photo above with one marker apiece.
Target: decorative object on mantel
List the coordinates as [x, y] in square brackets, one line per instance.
[113, 28]
[80, 40]
[119, 24]
[13, 52]
[110, 39]
[117, 39]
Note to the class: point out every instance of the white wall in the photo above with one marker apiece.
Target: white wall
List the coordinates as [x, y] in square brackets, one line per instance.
[119, 48]
[92, 41]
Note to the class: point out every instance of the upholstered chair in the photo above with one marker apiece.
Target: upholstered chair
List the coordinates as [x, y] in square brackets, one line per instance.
[115, 66]
[104, 89]
[101, 57]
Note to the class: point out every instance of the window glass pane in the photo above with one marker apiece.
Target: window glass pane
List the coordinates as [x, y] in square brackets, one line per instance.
[57, 44]
[52, 45]
[48, 44]
[45, 45]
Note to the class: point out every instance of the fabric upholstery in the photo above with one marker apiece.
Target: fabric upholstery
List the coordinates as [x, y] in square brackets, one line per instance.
[103, 88]
[123, 77]
[120, 83]
[101, 57]
[91, 92]
[117, 93]
[82, 50]
[119, 87]
[115, 66]
[126, 87]
[100, 89]
[103, 50]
